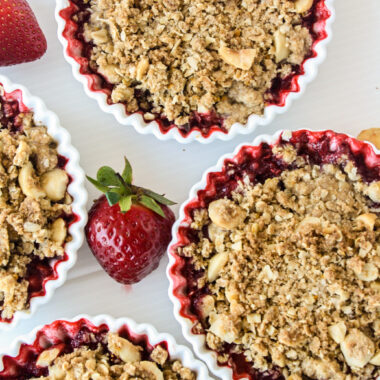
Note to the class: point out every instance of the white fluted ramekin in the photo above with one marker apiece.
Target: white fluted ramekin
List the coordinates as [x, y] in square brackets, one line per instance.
[299, 83]
[177, 283]
[76, 188]
[176, 351]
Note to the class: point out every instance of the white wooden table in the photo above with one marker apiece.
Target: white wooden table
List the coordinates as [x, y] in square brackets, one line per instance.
[345, 97]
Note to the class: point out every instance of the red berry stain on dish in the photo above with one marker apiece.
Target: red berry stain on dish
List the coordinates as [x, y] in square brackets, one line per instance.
[21, 38]
[259, 163]
[129, 228]
[39, 271]
[66, 336]
[206, 123]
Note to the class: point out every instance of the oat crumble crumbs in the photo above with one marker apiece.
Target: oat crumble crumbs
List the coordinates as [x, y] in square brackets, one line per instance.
[118, 358]
[292, 272]
[33, 198]
[196, 55]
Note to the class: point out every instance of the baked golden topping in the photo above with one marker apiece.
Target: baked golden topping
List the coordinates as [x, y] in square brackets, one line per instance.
[182, 56]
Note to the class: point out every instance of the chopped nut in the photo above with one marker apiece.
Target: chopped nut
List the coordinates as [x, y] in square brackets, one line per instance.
[100, 36]
[369, 272]
[216, 264]
[214, 231]
[28, 182]
[142, 68]
[374, 191]
[266, 274]
[242, 59]
[254, 318]
[303, 5]
[338, 332]
[225, 213]
[308, 223]
[59, 231]
[152, 369]
[357, 349]
[282, 51]
[123, 348]
[54, 183]
[47, 357]
[31, 227]
[223, 328]
[367, 220]
[207, 305]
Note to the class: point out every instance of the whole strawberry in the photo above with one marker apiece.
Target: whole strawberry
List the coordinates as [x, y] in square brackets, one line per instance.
[128, 228]
[21, 39]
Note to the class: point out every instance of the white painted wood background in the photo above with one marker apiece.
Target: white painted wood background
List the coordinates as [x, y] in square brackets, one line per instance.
[345, 97]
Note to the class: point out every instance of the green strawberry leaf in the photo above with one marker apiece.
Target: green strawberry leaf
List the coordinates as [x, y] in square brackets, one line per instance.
[112, 197]
[122, 191]
[119, 189]
[97, 184]
[125, 203]
[159, 198]
[127, 172]
[151, 204]
[107, 176]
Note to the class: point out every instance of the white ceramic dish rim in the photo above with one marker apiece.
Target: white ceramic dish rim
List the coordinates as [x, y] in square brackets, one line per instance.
[137, 122]
[42, 116]
[176, 351]
[198, 341]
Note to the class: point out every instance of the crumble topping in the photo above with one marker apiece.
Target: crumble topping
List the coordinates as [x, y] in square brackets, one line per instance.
[291, 272]
[194, 55]
[33, 199]
[117, 358]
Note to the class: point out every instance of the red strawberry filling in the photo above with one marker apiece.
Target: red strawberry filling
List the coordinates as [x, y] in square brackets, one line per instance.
[258, 163]
[78, 13]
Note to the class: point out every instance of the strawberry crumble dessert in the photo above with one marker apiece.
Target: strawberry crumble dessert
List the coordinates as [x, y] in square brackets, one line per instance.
[35, 207]
[281, 258]
[195, 63]
[79, 350]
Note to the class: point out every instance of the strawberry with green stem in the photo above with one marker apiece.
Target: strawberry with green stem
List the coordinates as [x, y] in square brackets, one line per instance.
[129, 228]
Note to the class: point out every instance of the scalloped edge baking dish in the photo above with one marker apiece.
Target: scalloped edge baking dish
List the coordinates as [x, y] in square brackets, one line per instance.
[299, 83]
[177, 283]
[176, 351]
[76, 189]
